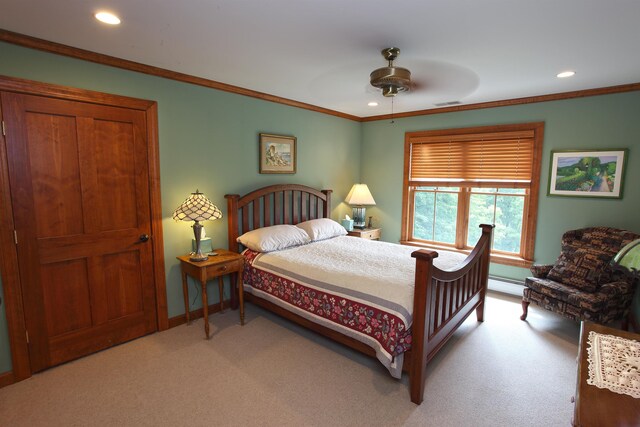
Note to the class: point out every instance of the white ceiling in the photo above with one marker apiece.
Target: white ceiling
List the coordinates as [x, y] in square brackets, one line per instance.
[322, 51]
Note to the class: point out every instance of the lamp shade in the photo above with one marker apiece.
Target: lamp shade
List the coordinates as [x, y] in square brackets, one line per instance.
[197, 208]
[629, 259]
[360, 195]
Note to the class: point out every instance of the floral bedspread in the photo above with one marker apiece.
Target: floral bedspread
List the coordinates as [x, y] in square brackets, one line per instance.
[388, 330]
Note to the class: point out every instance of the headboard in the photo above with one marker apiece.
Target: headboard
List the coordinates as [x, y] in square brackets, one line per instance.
[273, 205]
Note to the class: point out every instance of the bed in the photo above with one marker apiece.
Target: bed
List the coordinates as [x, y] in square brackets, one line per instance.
[293, 283]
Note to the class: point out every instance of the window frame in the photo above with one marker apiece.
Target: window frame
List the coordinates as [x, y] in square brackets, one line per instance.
[530, 209]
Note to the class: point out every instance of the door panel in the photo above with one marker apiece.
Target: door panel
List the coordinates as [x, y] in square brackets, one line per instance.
[79, 183]
[52, 147]
[64, 284]
[114, 145]
[124, 293]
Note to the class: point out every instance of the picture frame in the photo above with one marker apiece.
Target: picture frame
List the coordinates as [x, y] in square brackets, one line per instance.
[277, 153]
[587, 173]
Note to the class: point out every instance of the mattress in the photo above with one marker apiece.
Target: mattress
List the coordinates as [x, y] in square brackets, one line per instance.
[358, 287]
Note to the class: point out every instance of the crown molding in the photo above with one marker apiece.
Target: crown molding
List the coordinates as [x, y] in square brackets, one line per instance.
[99, 58]
[73, 52]
[510, 102]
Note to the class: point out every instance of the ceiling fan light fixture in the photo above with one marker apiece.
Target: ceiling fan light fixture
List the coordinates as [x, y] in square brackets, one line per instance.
[392, 80]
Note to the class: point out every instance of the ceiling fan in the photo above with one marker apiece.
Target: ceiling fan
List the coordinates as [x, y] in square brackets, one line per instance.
[392, 80]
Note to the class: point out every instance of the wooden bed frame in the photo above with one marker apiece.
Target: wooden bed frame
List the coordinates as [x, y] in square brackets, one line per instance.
[442, 301]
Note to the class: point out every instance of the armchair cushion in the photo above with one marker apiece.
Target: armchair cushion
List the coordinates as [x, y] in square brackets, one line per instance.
[541, 271]
[581, 268]
[610, 294]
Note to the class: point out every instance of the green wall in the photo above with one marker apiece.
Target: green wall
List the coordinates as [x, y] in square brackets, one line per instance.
[608, 121]
[208, 141]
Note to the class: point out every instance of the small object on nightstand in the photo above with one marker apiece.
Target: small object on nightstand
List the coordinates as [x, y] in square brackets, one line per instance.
[226, 262]
[367, 233]
[347, 223]
[369, 223]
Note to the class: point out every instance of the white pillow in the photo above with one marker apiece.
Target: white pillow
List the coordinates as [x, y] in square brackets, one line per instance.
[322, 228]
[274, 238]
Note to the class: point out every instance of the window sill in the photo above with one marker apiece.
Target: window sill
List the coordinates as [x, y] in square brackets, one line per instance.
[496, 258]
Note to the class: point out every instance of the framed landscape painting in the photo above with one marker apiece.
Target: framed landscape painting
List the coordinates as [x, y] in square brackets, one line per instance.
[277, 153]
[595, 173]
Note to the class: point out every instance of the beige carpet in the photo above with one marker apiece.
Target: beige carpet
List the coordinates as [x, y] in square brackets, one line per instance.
[503, 372]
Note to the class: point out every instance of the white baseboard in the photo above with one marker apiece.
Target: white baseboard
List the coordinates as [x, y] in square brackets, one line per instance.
[506, 286]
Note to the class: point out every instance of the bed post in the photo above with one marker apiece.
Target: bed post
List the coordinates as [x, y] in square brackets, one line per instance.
[487, 230]
[232, 221]
[422, 301]
[326, 211]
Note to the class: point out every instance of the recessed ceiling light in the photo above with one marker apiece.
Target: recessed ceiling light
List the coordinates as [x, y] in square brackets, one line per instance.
[565, 74]
[107, 18]
[373, 104]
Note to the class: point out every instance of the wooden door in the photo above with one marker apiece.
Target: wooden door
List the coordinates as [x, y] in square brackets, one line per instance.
[79, 179]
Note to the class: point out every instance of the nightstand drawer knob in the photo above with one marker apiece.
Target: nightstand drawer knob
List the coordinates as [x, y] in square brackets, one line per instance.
[224, 268]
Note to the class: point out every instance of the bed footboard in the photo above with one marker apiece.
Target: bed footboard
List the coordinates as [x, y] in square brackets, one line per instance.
[442, 301]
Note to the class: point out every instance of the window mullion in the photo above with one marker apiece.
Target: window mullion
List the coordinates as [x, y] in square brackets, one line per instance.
[412, 210]
[524, 248]
[435, 214]
[462, 220]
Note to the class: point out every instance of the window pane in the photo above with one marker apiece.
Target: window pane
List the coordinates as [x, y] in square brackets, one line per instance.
[423, 216]
[512, 190]
[427, 188]
[481, 211]
[483, 190]
[508, 223]
[446, 214]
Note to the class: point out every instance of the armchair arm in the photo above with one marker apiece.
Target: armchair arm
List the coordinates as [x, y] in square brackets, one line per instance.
[613, 289]
[540, 271]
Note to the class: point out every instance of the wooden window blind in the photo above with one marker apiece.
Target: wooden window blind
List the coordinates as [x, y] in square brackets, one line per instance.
[472, 159]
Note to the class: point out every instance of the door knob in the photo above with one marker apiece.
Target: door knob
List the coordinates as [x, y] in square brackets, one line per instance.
[144, 237]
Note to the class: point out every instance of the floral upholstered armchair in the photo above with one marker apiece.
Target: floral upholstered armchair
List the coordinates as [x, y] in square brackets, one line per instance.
[581, 284]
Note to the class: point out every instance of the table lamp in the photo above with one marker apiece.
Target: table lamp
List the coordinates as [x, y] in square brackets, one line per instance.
[359, 197]
[197, 208]
[628, 259]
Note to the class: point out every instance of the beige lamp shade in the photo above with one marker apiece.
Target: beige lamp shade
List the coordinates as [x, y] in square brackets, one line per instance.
[360, 196]
[197, 208]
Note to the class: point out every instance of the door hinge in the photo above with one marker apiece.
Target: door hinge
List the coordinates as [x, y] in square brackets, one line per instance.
[15, 236]
[27, 333]
[4, 130]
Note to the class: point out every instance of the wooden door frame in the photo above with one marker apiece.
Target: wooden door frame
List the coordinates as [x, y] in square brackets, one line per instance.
[8, 251]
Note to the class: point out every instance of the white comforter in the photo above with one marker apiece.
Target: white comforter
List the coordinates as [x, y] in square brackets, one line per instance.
[376, 273]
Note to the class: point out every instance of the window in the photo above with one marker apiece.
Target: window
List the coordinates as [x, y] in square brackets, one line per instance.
[457, 179]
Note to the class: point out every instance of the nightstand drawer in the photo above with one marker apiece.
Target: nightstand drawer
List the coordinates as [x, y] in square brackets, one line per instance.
[371, 234]
[229, 266]
[367, 233]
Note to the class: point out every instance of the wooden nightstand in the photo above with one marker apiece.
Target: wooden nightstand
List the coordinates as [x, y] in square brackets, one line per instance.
[225, 262]
[367, 233]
